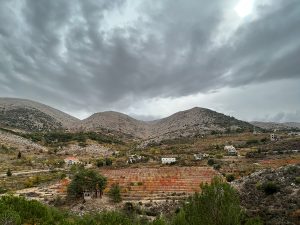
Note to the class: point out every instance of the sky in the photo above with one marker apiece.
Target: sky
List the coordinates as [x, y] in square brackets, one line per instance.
[152, 58]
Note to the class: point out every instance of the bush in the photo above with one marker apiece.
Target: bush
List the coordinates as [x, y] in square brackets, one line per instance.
[9, 173]
[219, 156]
[270, 188]
[217, 166]
[217, 204]
[230, 177]
[100, 163]
[210, 162]
[115, 193]
[252, 141]
[297, 180]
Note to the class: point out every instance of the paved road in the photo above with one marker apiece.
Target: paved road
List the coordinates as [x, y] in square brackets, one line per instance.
[18, 173]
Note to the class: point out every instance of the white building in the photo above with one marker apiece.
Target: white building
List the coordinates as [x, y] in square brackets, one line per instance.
[168, 160]
[201, 156]
[273, 137]
[230, 150]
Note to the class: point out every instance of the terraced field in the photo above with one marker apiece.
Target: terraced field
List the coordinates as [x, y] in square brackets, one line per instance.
[159, 183]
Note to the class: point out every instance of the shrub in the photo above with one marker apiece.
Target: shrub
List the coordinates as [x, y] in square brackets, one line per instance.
[219, 156]
[115, 193]
[210, 162]
[297, 180]
[100, 163]
[270, 188]
[217, 166]
[230, 177]
[252, 141]
[108, 161]
[9, 173]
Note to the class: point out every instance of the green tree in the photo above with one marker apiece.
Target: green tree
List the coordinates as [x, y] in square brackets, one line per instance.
[9, 173]
[86, 180]
[217, 204]
[115, 193]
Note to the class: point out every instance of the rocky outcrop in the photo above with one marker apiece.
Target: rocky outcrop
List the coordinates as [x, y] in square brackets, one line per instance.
[272, 194]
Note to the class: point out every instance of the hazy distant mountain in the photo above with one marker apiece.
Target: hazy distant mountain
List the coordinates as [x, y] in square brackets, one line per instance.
[277, 126]
[185, 123]
[32, 116]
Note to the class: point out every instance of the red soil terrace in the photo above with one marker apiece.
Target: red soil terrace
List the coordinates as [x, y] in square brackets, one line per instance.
[158, 183]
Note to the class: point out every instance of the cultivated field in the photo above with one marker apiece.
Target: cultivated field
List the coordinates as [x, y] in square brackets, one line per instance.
[159, 183]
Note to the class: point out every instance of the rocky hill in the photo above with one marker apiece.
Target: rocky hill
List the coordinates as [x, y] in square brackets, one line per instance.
[277, 126]
[196, 121]
[185, 123]
[114, 121]
[272, 195]
[32, 116]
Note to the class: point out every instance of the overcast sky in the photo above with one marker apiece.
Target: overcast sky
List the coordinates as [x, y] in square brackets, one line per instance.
[151, 58]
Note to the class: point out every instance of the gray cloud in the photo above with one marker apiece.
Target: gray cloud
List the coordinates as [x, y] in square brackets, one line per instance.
[61, 53]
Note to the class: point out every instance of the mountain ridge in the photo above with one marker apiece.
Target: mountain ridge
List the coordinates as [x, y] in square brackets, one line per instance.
[31, 116]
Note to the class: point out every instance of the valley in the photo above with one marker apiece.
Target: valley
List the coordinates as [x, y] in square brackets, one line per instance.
[40, 161]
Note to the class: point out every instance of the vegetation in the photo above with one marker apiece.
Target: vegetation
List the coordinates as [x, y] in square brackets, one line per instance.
[217, 204]
[270, 188]
[9, 173]
[115, 193]
[86, 180]
[62, 138]
[230, 177]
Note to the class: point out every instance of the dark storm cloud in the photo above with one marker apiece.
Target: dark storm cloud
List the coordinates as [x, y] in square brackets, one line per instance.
[61, 53]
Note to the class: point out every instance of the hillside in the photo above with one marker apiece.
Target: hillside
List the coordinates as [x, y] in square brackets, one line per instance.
[114, 121]
[196, 121]
[272, 194]
[185, 123]
[32, 116]
[277, 126]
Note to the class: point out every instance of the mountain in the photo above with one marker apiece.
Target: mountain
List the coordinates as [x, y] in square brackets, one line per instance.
[196, 121]
[186, 123]
[114, 121]
[277, 126]
[32, 116]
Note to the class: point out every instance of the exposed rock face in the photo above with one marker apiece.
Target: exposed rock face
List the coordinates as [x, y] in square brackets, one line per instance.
[32, 116]
[278, 208]
[21, 144]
